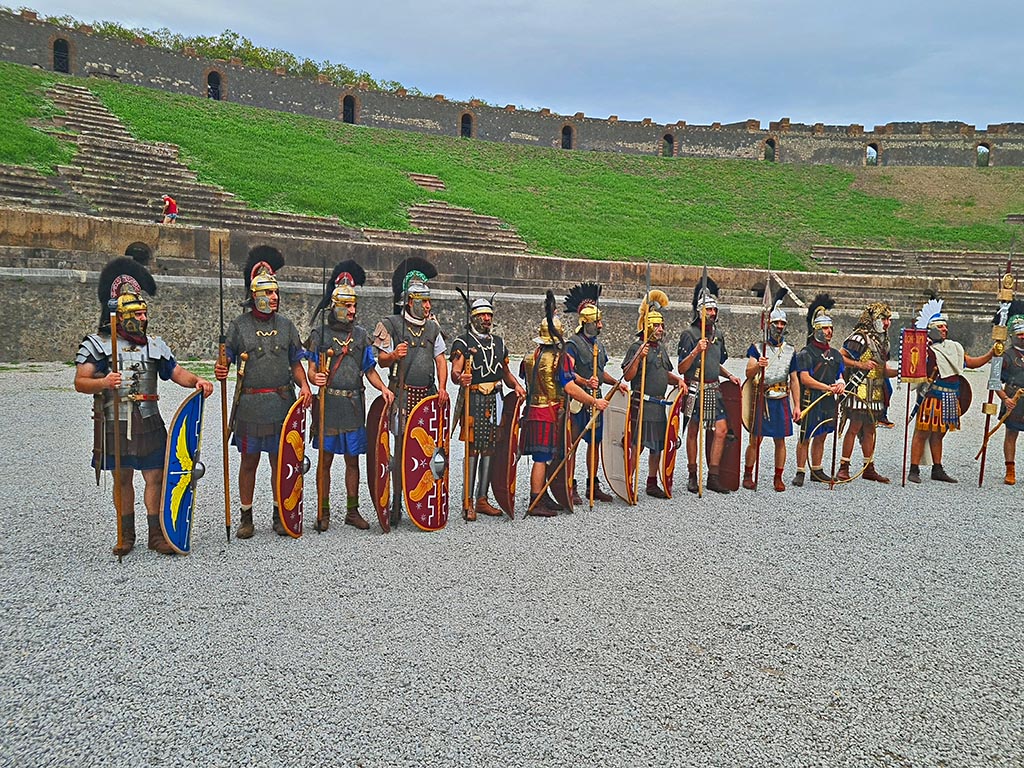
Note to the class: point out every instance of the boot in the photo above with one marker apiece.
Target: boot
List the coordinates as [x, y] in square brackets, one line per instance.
[548, 501]
[914, 475]
[157, 540]
[778, 485]
[324, 522]
[245, 529]
[1011, 474]
[539, 509]
[484, 507]
[469, 513]
[715, 485]
[278, 526]
[938, 473]
[843, 476]
[691, 482]
[748, 479]
[576, 500]
[870, 473]
[653, 490]
[353, 518]
[819, 476]
[798, 479]
[599, 493]
[127, 536]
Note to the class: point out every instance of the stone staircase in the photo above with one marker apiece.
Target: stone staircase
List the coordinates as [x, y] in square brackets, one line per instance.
[425, 180]
[22, 187]
[445, 226]
[879, 261]
[124, 178]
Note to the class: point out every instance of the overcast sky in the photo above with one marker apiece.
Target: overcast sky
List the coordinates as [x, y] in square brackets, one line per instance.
[812, 61]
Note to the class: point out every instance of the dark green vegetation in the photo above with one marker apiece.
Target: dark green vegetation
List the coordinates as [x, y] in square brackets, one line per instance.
[22, 102]
[593, 205]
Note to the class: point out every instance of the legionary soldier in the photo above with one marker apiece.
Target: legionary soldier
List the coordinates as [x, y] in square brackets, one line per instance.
[648, 350]
[820, 369]
[712, 344]
[265, 347]
[141, 359]
[866, 352]
[589, 357]
[1012, 376]
[410, 344]
[482, 381]
[938, 411]
[549, 377]
[780, 402]
[343, 349]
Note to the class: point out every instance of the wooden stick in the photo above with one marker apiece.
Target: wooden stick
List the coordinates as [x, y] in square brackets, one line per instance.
[321, 469]
[117, 434]
[592, 453]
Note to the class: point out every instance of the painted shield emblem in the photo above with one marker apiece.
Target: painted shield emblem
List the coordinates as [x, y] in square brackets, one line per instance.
[506, 455]
[673, 439]
[291, 466]
[182, 468]
[613, 442]
[378, 461]
[425, 465]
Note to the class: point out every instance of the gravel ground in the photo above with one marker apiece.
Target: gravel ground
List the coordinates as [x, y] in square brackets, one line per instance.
[869, 625]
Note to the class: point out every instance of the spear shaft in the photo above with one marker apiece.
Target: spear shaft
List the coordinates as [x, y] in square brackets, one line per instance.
[118, 502]
[222, 359]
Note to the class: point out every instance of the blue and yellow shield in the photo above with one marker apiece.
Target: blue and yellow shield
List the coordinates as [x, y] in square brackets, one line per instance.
[182, 469]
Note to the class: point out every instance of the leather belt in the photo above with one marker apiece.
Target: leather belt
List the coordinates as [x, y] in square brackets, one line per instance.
[265, 390]
[344, 392]
[142, 398]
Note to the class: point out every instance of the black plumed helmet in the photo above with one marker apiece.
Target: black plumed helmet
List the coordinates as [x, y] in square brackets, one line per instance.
[120, 272]
[356, 277]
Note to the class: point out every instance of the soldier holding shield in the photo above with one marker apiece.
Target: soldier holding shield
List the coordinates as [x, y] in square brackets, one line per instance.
[341, 355]
[1012, 377]
[266, 349]
[123, 370]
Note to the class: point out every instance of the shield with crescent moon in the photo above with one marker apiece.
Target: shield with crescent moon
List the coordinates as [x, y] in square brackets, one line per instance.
[425, 464]
[378, 461]
[292, 464]
[673, 439]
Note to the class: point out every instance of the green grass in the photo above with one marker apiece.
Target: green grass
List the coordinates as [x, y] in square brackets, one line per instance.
[21, 100]
[576, 204]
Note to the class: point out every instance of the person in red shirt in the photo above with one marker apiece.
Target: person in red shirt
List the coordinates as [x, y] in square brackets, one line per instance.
[170, 209]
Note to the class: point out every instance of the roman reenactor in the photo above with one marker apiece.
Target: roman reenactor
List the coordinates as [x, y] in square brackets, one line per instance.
[340, 356]
[481, 381]
[264, 345]
[410, 345]
[120, 370]
[590, 358]
[773, 362]
[938, 409]
[820, 370]
[1012, 377]
[650, 383]
[708, 349]
[866, 351]
[549, 377]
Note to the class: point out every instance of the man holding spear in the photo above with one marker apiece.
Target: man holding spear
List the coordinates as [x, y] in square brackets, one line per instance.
[701, 360]
[341, 355]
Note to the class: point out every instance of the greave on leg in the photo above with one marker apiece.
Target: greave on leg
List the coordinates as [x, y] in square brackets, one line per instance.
[483, 478]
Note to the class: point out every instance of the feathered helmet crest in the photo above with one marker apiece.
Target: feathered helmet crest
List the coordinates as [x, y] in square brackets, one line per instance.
[649, 311]
[778, 313]
[409, 281]
[931, 313]
[340, 288]
[260, 275]
[818, 316]
[550, 330]
[583, 300]
[122, 284]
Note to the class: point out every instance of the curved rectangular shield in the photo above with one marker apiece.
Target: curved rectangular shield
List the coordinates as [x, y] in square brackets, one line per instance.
[506, 455]
[291, 466]
[425, 464]
[613, 445]
[378, 461]
[182, 469]
[673, 439]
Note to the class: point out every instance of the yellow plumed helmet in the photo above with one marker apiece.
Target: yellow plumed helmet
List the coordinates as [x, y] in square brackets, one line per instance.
[648, 313]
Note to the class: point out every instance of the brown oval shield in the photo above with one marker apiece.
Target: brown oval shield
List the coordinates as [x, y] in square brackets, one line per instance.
[505, 464]
[378, 461]
[291, 465]
[425, 464]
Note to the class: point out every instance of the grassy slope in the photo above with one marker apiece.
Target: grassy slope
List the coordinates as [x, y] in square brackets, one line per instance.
[590, 204]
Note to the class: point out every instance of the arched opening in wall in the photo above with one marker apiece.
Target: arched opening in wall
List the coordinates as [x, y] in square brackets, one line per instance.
[61, 56]
[668, 145]
[769, 151]
[348, 109]
[213, 90]
[568, 137]
[871, 154]
[466, 126]
[983, 156]
[139, 251]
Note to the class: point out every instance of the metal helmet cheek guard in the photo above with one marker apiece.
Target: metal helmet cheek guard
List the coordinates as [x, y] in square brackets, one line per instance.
[477, 313]
[261, 277]
[129, 305]
[122, 285]
[818, 317]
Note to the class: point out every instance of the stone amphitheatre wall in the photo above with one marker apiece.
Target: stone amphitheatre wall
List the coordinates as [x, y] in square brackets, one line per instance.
[28, 41]
[50, 264]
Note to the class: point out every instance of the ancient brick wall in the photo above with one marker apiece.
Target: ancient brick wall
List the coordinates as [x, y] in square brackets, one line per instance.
[30, 42]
